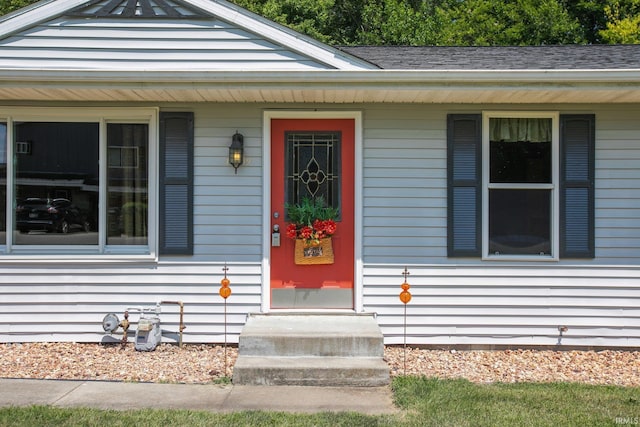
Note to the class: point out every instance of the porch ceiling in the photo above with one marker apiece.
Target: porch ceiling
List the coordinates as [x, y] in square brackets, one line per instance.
[603, 86]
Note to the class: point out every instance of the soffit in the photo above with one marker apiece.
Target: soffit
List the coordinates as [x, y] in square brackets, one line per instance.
[329, 87]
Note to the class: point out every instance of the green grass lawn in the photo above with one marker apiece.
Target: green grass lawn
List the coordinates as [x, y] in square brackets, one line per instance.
[424, 402]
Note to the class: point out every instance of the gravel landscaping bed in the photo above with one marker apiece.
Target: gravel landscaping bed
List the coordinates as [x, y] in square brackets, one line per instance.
[206, 363]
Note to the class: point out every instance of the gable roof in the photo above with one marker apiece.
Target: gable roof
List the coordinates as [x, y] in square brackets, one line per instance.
[560, 57]
[137, 8]
[157, 35]
[214, 51]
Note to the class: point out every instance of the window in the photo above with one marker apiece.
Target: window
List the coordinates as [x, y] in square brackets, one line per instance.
[313, 167]
[520, 185]
[86, 190]
[56, 190]
[127, 187]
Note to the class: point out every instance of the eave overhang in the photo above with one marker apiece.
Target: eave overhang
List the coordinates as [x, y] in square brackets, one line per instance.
[325, 86]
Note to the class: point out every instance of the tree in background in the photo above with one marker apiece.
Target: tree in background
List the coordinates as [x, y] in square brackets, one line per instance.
[305, 16]
[623, 22]
[513, 22]
[398, 22]
[427, 22]
[7, 6]
[591, 16]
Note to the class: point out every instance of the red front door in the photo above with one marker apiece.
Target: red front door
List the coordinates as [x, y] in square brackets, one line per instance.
[312, 158]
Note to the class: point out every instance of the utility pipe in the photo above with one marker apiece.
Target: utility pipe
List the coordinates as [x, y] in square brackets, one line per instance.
[182, 326]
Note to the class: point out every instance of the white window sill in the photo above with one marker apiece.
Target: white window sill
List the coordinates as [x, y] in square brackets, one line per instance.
[520, 258]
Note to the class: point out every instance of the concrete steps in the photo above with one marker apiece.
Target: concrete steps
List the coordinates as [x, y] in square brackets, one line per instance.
[311, 349]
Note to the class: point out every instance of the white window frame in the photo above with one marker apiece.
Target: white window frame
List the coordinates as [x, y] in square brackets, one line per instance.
[10, 252]
[553, 186]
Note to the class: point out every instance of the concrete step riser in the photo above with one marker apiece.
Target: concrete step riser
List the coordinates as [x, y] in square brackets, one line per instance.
[368, 373]
[324, 350]
[355, 346]
[310, 378]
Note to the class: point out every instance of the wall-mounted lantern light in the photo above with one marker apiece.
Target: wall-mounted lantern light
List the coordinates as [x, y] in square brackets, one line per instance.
[236, 151]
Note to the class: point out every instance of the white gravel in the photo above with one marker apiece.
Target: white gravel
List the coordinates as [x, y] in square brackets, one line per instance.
[206, 363]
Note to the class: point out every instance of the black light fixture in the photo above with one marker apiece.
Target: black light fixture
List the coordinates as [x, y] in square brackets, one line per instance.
[236, 151]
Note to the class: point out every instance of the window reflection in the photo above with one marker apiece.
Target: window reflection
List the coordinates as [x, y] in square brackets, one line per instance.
[57, 183]
[519, 222]
[127, 180]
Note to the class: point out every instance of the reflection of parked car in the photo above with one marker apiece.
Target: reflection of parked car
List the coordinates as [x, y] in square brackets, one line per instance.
[50, 215]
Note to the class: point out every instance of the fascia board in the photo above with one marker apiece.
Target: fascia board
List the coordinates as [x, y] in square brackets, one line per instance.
[388, 77]
[35, 14]
[282, 35]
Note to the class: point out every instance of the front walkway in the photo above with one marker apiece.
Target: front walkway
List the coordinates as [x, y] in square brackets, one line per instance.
[205, 397]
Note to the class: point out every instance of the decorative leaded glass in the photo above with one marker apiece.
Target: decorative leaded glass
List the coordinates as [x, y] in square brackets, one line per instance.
[312, 167]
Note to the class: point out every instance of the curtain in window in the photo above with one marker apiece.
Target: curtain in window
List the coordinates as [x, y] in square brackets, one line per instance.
[520, 130]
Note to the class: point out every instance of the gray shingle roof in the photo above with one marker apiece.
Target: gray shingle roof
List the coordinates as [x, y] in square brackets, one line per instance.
[565, 57]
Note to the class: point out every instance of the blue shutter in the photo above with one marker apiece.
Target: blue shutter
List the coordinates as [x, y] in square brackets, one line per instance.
[464, 179]
[176, 183]
[577, 183]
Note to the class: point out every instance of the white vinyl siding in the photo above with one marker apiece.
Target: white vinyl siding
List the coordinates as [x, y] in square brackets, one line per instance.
[466, 301]
[111, 44]
[405, 177]
[507, 305]
[228, 207]
[405, 218]
[618, 186]
[67, 303]
[455, 301]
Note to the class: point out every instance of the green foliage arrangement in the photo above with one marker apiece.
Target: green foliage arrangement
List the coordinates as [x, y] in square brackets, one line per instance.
[309, 210]
[311, 220]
